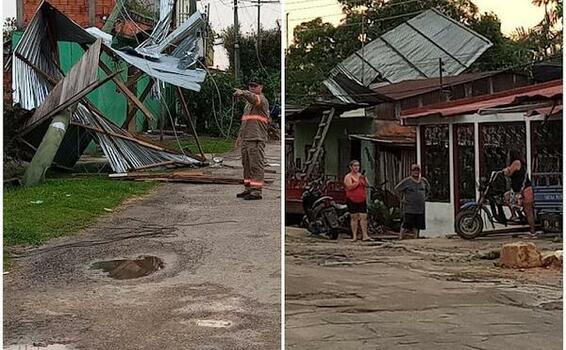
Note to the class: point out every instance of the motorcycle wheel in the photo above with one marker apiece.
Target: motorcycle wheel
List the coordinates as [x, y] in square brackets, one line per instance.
[468, 224]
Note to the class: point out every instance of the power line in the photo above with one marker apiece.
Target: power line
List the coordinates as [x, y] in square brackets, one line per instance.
[369, 21]
[385, 6]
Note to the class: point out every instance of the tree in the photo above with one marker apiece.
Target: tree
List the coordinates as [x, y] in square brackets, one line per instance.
[8, 28]
[216, 111]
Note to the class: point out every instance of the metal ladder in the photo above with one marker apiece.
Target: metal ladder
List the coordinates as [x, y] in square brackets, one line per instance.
[316, 149]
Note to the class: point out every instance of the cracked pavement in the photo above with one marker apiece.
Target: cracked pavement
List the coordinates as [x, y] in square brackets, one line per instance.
[416, 294]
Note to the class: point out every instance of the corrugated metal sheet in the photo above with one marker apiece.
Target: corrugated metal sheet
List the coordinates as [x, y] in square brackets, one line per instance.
[166, 70]
[32, 89]
[123, 150]
[81, 79]
[545, 91]
[412, 49]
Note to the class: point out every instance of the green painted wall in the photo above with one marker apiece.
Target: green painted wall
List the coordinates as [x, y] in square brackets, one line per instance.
[306, 130]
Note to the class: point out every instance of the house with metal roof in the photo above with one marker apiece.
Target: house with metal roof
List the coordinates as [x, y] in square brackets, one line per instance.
[459, 142]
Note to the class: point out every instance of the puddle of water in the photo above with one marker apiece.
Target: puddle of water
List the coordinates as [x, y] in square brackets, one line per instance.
[214, 323]
[33, 347]
[130, 268]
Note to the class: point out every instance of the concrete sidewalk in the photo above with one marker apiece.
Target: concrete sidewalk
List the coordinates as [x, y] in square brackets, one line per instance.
[219, 288]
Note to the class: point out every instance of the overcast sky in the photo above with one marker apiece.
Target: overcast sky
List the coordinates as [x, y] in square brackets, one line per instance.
[221, 16]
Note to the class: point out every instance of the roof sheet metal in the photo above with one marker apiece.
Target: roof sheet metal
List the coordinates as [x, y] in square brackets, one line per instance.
[412, 50]
[549, 91]
[81, 78]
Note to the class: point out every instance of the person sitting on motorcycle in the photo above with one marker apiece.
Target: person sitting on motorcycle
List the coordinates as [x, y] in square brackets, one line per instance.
[356, 195]
[521, 189]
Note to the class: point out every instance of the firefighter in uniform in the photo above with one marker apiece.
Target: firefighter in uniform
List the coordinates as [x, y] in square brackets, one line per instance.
[252, 138]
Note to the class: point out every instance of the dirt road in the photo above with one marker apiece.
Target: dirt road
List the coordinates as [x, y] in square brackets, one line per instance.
[219, 287]
[431, 294]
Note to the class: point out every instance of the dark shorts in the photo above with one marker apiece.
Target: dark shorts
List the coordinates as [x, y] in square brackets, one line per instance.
[411, 221]
[356, 208]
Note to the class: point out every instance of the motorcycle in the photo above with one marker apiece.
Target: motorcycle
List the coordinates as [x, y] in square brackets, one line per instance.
[323, 216]
[469, 222]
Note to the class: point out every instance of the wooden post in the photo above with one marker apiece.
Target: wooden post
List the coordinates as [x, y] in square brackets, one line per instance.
[111, 20]
[20, 14]
[43, 158]
[132, 122]
[92, 13]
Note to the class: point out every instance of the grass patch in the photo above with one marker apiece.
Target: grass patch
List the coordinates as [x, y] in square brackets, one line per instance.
[216, 145]
[62, 206]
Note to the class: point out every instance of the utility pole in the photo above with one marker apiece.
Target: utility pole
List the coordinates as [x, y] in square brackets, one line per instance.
[236, 42]
[287, 29]
[440, 69]
[258, 24]
[363, 49]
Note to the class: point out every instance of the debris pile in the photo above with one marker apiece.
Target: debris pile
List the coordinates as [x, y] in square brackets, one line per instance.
[40, 85]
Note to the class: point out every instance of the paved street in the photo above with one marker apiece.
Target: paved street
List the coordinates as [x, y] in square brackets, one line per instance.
[219, 287]
[429, 294]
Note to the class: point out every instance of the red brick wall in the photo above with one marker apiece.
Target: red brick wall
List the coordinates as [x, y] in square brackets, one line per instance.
[77, 10]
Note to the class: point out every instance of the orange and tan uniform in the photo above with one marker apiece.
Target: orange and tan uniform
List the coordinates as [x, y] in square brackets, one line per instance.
[253, 134]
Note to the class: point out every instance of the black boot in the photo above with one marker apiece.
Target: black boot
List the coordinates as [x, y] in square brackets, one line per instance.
[253, 195]
[246, 192]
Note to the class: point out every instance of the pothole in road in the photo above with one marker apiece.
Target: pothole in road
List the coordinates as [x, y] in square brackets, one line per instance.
[124, 269]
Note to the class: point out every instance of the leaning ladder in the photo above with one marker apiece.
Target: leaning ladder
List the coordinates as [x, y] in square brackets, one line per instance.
[315, 151]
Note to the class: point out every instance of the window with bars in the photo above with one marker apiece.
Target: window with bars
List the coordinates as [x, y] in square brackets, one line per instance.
[435, 161]
[546, 152]
[465, 163]
[496, 140]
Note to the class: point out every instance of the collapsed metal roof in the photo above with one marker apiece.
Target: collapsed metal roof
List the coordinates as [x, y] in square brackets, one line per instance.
[412, 51]
[38, 82]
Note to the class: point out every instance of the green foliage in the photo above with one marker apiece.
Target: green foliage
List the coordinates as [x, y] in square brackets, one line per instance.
[209, 144]
[215, 110]
[8, 28]
[382, 215]
[62, 206]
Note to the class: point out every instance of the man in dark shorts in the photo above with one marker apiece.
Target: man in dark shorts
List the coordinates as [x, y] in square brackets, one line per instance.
[414, 191]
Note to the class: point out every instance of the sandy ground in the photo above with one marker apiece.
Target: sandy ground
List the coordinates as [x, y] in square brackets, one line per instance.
[219, 289]
[416, 294]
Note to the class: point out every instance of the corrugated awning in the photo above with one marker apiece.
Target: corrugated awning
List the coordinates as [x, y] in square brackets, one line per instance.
[393, 141]
[546, 91]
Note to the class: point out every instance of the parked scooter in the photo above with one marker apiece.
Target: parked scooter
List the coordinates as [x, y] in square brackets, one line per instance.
[323, 216]
[469, 222]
